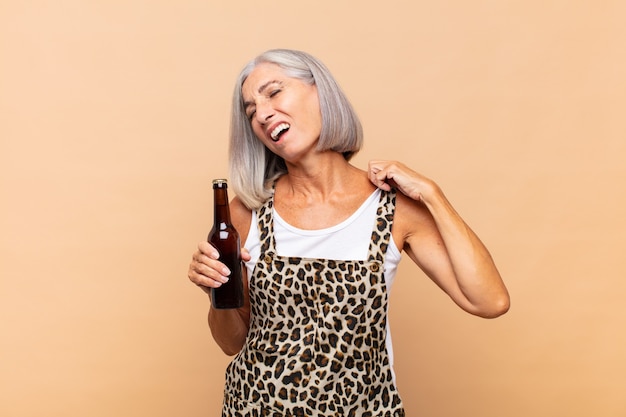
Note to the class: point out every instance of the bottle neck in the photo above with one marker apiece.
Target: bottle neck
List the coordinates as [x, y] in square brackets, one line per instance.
[221, 211]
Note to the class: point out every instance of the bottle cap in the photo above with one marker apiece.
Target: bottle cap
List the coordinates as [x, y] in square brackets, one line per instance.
[220, 183]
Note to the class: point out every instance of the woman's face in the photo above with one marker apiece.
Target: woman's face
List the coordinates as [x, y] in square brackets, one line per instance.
[284, 112]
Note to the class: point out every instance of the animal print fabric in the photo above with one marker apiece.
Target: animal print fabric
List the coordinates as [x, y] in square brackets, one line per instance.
[316, 344]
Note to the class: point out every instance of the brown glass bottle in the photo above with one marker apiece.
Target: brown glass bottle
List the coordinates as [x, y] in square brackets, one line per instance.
[226, 240]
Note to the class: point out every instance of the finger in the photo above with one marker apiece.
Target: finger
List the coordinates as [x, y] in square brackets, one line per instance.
[372, 170]
[207, 271]
[209, 250]
[376, 165]
[202, 280]
[245, 255]
[209, 256]
[213, 270]
[205, 259]
[197, 280]
[380, 180]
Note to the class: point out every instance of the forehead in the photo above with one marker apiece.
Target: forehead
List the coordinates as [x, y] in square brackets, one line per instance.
[260, 76]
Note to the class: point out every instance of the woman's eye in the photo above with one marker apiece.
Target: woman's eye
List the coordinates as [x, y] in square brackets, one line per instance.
[274, 92]
[251, 115]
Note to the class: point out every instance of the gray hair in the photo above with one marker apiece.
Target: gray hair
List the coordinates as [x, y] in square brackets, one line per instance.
[253, 168]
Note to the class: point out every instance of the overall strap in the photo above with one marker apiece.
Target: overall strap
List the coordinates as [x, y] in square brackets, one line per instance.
[266, 226]
[381, 235]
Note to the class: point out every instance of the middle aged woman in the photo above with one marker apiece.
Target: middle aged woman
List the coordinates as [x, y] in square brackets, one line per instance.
[323, 240]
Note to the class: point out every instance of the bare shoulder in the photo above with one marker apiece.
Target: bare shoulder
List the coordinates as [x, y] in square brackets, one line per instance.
[241, 217]
[411, 219]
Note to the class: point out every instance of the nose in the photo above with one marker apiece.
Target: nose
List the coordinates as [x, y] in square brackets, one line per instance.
[264, 112]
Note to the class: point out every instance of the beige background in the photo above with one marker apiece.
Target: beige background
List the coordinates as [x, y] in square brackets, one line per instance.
[114, 119]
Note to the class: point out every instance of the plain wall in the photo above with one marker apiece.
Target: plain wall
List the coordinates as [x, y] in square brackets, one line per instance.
[114, 119]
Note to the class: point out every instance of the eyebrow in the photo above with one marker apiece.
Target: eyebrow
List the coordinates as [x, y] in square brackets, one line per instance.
[262, 88]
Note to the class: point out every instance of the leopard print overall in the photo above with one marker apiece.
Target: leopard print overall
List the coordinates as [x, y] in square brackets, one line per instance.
[316, 344]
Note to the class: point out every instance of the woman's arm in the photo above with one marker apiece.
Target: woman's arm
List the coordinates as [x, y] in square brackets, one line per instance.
[228, 327]
[438, 240]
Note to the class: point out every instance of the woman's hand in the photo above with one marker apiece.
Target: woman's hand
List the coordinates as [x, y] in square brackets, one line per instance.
[205, 269]
[393, 174]
[229, 327]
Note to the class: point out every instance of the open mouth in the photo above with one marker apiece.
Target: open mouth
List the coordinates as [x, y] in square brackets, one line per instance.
[279, 131]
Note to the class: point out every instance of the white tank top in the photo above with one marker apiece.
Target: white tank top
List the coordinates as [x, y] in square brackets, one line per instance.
[348, 240]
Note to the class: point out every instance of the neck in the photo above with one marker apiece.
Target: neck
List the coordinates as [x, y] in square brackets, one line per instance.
[329, 173]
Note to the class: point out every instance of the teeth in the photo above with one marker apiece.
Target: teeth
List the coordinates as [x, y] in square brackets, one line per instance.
[278, 130]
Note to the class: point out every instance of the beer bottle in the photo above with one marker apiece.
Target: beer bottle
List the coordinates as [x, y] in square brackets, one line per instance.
[226, 240]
